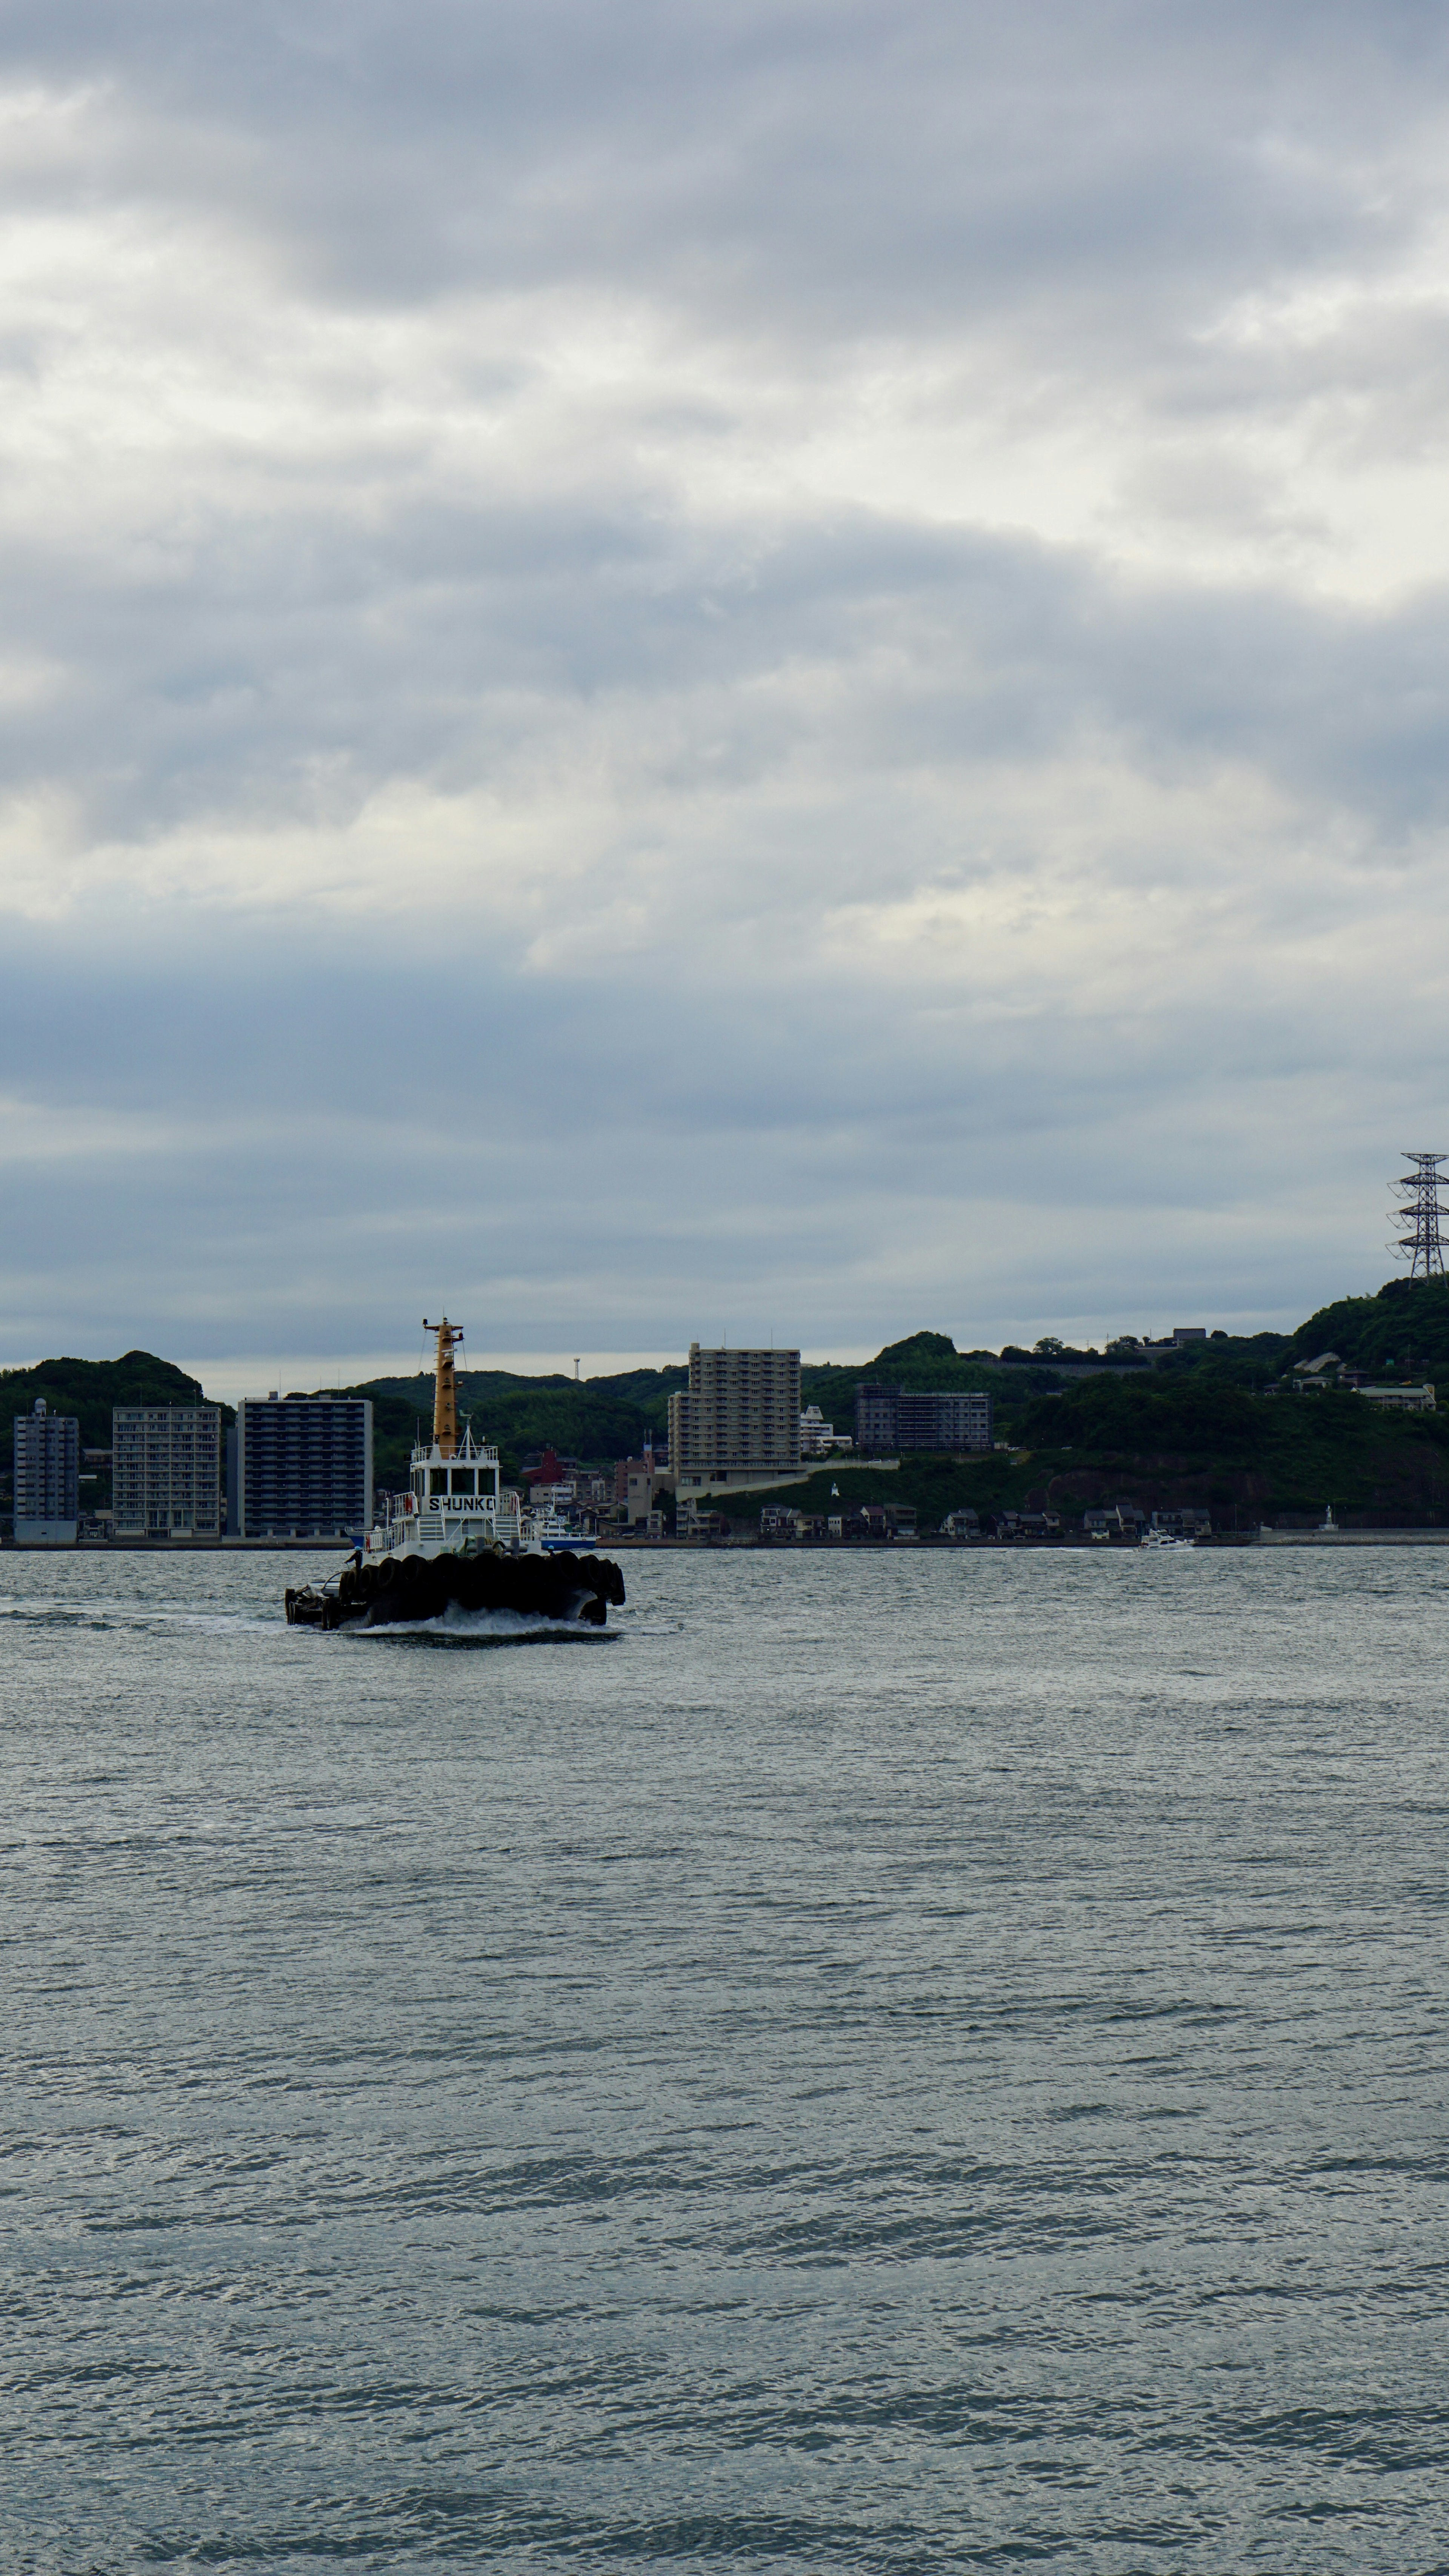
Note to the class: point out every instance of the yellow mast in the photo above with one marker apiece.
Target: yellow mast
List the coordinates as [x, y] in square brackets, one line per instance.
[445, 1398]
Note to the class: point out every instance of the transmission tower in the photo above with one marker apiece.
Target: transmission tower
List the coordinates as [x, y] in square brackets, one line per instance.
[1419, 1210]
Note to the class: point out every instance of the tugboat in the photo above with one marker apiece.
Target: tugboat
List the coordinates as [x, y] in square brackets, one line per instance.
[454, 1538]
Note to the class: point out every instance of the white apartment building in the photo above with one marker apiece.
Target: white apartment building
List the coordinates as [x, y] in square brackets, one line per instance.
[1400, 1399]
[819, 1438]
[739, 1421]
[166, 1470]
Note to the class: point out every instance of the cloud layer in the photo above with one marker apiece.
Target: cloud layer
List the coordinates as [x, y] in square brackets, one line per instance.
[777, 667]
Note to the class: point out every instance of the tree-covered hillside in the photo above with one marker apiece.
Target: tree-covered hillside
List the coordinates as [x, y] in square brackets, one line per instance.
[923, 1361]
[1245, 1458]
[1402, 1332]
[89, 1388]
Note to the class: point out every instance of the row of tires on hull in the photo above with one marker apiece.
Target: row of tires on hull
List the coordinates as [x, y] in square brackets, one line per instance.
[405, 1588]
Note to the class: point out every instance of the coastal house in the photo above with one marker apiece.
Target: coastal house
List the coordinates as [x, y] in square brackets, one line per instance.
[1399, 1399]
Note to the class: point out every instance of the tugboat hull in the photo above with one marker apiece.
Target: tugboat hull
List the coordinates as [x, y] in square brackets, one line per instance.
[401, 1590]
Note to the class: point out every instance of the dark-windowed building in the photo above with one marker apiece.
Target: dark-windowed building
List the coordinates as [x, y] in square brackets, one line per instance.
[47, 1468]
[304, 1466]
[890, 1418]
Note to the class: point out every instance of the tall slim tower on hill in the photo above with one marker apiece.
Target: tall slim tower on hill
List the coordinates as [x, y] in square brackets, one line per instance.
[1419, 1210]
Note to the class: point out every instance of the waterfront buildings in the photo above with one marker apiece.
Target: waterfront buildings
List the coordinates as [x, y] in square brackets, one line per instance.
[304, 1466]
[166, 1470]
[739, 1421]
[636, 1483]
[892, 1418]
[47, 1477]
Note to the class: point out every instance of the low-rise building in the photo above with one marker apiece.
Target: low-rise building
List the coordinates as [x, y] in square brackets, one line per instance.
[47, 1477]
[637, 1485]
[819, 1438]
[1114, 1520]
[892, 1418]
[1327, 1370]
[1315, 1374]
[880, 1521]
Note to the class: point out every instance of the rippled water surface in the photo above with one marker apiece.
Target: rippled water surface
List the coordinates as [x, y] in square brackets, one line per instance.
[897, 2063]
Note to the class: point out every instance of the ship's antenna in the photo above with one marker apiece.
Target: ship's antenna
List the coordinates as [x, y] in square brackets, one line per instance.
[445, 1395]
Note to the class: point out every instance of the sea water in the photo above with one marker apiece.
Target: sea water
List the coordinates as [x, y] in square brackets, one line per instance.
[888, 2061]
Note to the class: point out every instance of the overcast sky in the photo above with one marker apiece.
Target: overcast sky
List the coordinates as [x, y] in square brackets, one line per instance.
[727, 669]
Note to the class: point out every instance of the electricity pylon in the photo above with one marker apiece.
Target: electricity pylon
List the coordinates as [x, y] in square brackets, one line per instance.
[1420, 1210]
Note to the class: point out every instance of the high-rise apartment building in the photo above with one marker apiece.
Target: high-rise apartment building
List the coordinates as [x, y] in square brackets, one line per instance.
[739, 1420]
[890, 1418]
[166, 1469]
[304, 1466]
[47, 1477]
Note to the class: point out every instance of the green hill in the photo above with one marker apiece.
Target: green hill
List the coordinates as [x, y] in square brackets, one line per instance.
[1402, 1332]
[89, 1388]
[1247, 1458]
[1194, 1438]
[924, 1361]
[1199, 1427]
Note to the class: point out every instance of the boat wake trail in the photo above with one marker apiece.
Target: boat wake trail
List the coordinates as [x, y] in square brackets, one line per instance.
[458, 1627]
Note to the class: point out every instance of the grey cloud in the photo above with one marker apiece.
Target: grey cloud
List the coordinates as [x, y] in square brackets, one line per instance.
[285, 1159]
[876, 169]
[792, 704]
[272, 678]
